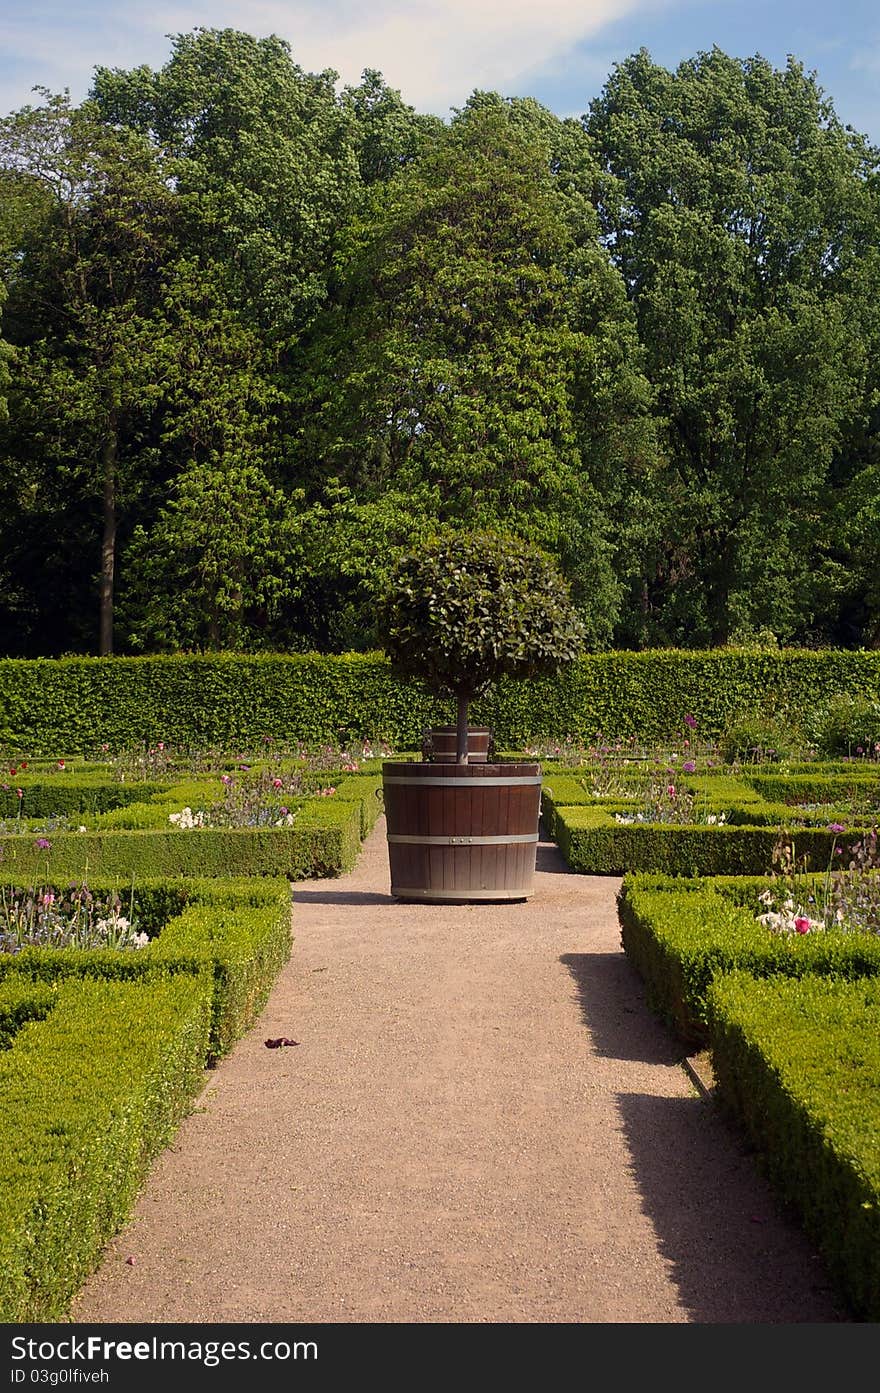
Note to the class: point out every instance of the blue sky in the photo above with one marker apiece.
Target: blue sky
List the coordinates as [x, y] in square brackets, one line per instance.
[438, 51]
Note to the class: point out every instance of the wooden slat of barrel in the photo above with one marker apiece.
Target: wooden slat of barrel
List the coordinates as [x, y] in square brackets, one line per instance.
[456, 805]
[444, 740]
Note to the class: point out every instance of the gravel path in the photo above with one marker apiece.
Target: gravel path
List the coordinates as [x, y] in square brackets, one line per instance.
[481, 1122]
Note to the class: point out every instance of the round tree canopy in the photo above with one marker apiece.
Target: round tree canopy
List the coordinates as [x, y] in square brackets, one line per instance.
[468, 608]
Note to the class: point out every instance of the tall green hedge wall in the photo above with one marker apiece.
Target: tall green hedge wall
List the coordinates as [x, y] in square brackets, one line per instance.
[71, 704]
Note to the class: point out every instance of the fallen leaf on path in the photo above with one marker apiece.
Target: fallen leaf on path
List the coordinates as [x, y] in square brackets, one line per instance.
[282, 1040]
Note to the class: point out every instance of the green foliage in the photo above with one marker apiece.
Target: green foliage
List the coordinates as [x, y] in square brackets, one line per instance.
[847, 724]
[593, 843]
[797, 1063]
[231, 290]
[823, 784]
[323, 841]
[41, 799]
[741, 219]
[238, 932]
[83, 1115]
[22, 1001]
[265, 159]
[758, 738]
[680, 939]
[469, 608]
[217, 562]
[474, 321]
[85, 310]
[228, 701]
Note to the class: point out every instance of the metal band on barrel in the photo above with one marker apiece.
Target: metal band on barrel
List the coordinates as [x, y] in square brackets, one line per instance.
[464, 840]
[461, 783]
[462, 895]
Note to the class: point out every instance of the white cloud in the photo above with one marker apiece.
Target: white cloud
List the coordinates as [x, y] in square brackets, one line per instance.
[866, 60]
[435, 51]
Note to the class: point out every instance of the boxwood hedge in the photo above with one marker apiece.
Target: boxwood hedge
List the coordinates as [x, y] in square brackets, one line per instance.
[233, 701]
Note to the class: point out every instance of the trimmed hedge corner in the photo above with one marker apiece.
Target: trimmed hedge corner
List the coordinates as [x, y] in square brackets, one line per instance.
[680, 939]
[798, 1064]
[83, 1112]
[239, 931]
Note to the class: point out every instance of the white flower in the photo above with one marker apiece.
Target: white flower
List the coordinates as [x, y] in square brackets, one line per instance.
[105, 925]
[766, 897]
[187, 818]
[141, 940]
[81, 829]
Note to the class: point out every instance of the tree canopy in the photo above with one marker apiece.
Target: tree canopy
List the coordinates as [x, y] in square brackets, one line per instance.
[261, 335]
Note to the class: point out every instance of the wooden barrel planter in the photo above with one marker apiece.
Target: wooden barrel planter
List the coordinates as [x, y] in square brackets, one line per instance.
[444, 744]
[462, 832]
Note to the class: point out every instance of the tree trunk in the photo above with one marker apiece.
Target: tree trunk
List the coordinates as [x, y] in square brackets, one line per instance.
[108, 539]
[461, 729]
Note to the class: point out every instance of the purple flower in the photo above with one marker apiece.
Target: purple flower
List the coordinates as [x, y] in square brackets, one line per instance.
[688, 767]
[43, 843]
[836, 827]
[691, 721]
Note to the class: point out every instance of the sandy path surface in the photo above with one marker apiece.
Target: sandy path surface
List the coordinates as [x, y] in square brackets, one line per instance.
[481, 1122]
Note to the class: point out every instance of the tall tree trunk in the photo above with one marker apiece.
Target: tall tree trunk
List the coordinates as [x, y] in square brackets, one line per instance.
[108, 539]
[461, 729]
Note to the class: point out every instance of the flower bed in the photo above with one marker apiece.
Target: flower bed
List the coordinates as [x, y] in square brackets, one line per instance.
[718, 823]
[680, 935]
[239, 930]
[318, 835]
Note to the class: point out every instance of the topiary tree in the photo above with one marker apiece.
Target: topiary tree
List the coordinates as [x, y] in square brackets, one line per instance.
[467, 608]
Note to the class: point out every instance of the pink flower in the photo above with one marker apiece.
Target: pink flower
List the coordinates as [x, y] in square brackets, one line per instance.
[43, 843]
[20, 792]
[225, 779]
[48, 898]
[61, 764]
[160, 745]
[670, 789]
[277, 783]
[801, 925]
